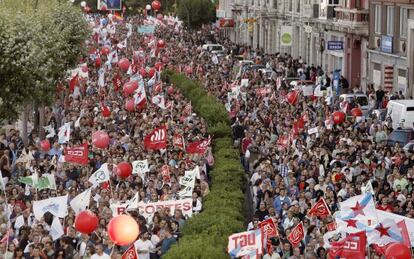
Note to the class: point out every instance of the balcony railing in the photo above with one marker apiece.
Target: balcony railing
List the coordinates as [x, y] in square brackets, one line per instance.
[352, 17]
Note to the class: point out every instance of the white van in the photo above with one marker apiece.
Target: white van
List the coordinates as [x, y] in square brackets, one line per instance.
[401, 113]
[213, 48]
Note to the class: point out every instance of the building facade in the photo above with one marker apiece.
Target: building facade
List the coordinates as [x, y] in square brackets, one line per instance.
[391, 50]
[343, 35]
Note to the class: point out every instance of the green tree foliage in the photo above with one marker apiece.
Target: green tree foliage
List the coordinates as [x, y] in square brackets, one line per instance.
[205, 235]
[195, 13]
[39, 42]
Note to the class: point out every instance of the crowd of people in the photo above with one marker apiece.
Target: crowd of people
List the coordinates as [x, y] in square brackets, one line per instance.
[289, 168]
[84, 106]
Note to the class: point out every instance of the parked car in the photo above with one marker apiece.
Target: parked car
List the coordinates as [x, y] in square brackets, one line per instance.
[358, 98]
[401, 113]
[400, 136]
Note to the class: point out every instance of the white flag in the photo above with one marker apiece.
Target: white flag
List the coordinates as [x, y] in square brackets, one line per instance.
[159, 100]
[140, 94]
[113, 57]
[368, 188]
[129, 27]
[64, 133]
[50, 130]
[57, 206]
[56, 229]
[77, 122]
[81, 201]
[100, 176]
[188, 181]
[153, 80]
[101, 78]
[214, 59]
[2, 185]
[140, 167]
[122, 44]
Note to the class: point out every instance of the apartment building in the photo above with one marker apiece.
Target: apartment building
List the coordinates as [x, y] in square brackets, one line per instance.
[369, 41]
[391, 45]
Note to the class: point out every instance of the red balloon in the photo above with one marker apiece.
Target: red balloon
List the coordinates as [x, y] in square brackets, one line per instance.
[98, 62]
[356, 112]
[156, 5]
[160, 16]
[105, 50]
[158, 66]
[292, 97]
[165, 59]
[86, 222]
[151, 72]
[124, 64]
[130, 87]
[123, 230]
[143, 72]
[130, 105]
[124, 169]
[170, 90]
[45, 145]
[100, 139]
[338, 117]
[161, 44]
[397, 251]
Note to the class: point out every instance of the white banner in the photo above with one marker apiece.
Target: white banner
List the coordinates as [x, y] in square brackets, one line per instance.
[188, 181]
[58, 206]
[148, 209]
[140, 167]
[247, 243]
[286, 36]
[307, 90]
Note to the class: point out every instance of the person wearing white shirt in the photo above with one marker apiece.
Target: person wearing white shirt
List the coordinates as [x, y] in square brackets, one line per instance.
[26, 219]
[197, 206]
[99, 253]
[143, 246]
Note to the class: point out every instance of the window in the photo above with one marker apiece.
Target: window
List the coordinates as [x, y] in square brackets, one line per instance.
[390, 20]
[403, 22]
[377, 18]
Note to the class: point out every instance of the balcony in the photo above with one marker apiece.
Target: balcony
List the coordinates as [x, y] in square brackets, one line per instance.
[352, 20]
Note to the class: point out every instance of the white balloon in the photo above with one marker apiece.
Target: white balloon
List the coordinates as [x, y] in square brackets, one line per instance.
[148, 7]
[83, 3]
[72, 1]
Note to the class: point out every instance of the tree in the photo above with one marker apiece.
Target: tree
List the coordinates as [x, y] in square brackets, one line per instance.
[39, 42]
[195, 13]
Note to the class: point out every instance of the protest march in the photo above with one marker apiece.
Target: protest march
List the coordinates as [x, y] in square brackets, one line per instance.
[125, 162]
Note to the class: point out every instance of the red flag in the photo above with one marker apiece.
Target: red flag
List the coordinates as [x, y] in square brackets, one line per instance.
[269, 228]
[404, 232]
[73, 82]
[165, 172]
[283, 142]
[117, 82]
[178, 141]
[157, 139]
[105, 110]
[319, 209]
[331, 226]
[198, 147]
[130, 253]
[77, 155]
[352, 246]
[296, 235]
[406, 238]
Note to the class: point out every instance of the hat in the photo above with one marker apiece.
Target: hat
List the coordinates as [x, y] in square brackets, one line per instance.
[295, 202]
